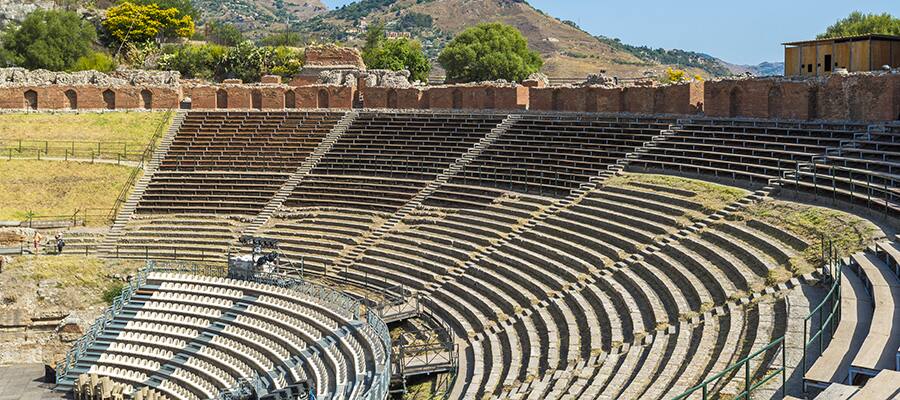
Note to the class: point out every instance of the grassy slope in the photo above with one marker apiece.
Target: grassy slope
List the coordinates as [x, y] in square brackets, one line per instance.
[851, 234]
[57, 188]
[136, 127]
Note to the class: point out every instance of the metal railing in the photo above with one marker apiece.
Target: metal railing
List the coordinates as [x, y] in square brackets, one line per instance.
[70, 149]
[145, 157]
[99, 326]
[828, 312]
[749, 384]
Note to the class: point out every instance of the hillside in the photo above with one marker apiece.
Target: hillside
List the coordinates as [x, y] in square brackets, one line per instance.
[568, 51]
[256, 16]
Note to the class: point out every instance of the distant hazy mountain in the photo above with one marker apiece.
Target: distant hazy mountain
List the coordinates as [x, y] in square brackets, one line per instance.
[761, 69]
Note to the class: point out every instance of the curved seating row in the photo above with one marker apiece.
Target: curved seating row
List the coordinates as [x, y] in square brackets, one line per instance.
[190, 336]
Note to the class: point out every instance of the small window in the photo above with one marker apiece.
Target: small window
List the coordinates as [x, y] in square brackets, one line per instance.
[809, 68]
[827, 62]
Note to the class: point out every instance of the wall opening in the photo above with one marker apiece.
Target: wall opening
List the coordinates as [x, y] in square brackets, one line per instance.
[109, 99]
[323, 98]
[72, 99]
[290, 99]
[425, 102]
[659, 101]
[734, 102]
[457, 99]
[828, 63]
[221, 98]
[31, 100]
[590, 100]
[554, 100]
[392, 99]
[776, 102]
[147, 99]
[256, 100]
[812, 111]
[490, 101]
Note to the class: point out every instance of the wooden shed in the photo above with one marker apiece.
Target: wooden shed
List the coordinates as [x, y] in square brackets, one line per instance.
[854, 53]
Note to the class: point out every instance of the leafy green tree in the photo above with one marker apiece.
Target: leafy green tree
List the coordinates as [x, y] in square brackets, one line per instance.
[224, 34]
[858, 23]
[184, 7]
[96, 61]
[489, 51]
[194, 62]
[129, 22]
[52, 40]
[399, 54]
[375, 36]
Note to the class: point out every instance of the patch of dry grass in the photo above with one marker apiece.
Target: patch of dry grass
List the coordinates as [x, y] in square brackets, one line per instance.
[134, 127]
[57, 188]
[850, 233]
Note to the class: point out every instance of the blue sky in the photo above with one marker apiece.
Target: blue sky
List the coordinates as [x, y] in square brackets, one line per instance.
[743, 32]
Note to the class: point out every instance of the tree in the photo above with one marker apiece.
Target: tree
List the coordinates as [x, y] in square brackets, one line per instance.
[224, 34]
[395, 55]
[184, 7]
[489, 51]
[399, 54]
[129, 22]
[375, 36]
[50, 39]
[858, 23]
[96, 61]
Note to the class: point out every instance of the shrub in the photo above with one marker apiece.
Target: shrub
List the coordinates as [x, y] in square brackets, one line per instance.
[489, 51]
[114, 290]
[97, 61]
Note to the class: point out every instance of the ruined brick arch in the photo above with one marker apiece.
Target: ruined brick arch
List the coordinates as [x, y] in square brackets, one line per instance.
[392, 100]
[490, 99]
[221, 98]
[659, 101]
[109, 99]
[425, 102]
[776, 102]
[323, 99]
[735, 98]
[147, 99]
[457, 99]
[71, 99]
[256, 99]
[812, 111]
[290, 99]
[31, 100]
[590, 100]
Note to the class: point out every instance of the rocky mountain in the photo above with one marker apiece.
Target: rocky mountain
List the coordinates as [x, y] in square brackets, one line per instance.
[568, 51]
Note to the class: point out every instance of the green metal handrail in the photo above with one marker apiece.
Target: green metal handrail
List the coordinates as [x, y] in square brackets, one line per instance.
[749, 386]
[827, 323]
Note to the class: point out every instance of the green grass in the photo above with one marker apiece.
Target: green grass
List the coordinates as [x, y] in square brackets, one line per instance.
[57, 188]
[851, 234]
[710, 196]
[134, 127]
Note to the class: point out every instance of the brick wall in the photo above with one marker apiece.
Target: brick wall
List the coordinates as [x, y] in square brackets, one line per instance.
[855, 97]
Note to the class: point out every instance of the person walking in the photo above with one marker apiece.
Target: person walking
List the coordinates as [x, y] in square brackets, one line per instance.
[60, 243]
[38, 238]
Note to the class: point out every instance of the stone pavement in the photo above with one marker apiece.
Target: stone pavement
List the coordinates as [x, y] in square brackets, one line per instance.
[25, 382]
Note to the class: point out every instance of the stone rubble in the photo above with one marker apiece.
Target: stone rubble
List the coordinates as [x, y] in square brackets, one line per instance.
[40, 77]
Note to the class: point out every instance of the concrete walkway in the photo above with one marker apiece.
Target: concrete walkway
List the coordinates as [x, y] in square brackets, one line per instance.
[25, 382]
